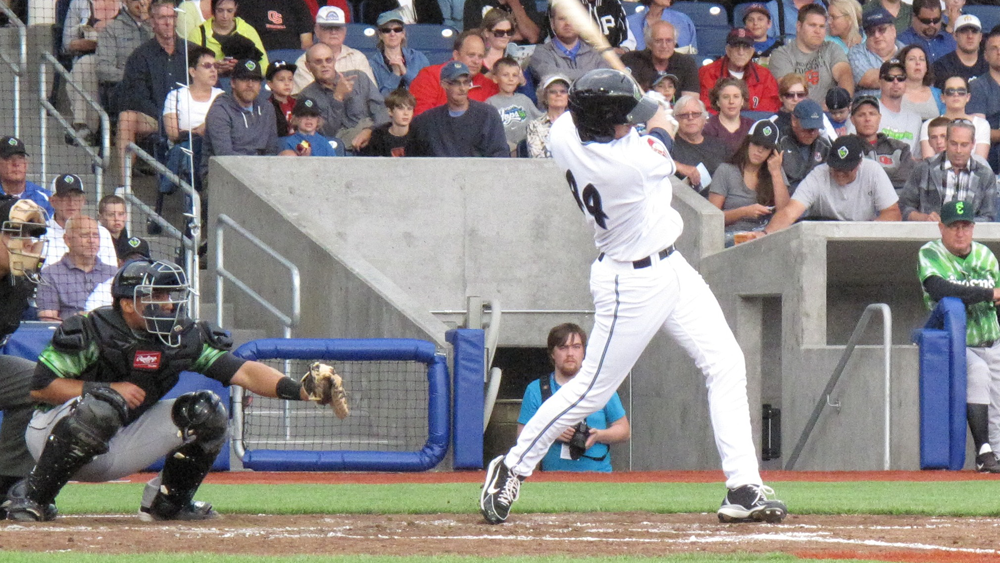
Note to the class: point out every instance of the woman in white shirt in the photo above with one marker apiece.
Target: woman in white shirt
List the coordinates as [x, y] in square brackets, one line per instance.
[955, 97]
[185, 110]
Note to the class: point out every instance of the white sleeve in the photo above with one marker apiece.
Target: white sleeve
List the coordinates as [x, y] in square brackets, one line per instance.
[924, 136]
[170, 105]
[982, 130]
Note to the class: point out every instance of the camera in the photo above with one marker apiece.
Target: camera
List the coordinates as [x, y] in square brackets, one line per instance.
[578, 443]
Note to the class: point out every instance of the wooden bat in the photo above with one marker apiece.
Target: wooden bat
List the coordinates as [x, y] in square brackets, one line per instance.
[587, 28]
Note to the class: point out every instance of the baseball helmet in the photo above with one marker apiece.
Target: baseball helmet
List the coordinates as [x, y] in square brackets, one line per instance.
[603, 98]
[160, 293]
[23, 229]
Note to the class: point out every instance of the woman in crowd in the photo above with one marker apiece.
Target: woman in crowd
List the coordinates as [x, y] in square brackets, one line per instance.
[226, 35]
[413, 11]
[498, 29]
[792, 89]
[394, 64]
[687, 36]
[844, 23]
[956, 96]
[729, 98]
[184, 111]
[84, 21]
[920, 98]
[952, 9]
[553, 97]
[751, 186]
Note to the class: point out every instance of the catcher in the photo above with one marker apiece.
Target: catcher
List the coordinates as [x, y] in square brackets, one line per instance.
[100, 385]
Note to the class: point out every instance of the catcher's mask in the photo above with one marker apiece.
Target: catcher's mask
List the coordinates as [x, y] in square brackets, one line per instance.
[23, 235]
[160, 294]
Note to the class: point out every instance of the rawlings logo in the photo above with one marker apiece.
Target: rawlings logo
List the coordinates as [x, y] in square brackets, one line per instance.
[146, 360]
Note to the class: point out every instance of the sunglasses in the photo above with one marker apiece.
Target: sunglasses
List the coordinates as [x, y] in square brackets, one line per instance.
[794, 95]
[894, 78]
[206, 66]
[930, 21]
[500, 33]
[955, 91]
[687, 116]
[388, 30]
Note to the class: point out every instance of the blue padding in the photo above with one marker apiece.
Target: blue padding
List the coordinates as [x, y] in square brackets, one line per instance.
[339, 349]
[467, 412]
[935, 400]
[949, 316]
[29, 340]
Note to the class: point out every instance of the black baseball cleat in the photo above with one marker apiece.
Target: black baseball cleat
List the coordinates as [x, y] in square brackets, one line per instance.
[749, 503]
[20, 508]
[987, 462]
[195, 510]
[499, 492]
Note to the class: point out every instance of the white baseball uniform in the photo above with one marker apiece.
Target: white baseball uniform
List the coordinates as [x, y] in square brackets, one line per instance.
[624, 189]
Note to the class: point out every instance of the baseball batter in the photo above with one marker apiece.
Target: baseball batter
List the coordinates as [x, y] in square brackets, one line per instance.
[101, 381]
[640, 285]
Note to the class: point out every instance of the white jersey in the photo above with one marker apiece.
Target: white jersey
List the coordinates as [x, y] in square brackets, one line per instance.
[623, 187]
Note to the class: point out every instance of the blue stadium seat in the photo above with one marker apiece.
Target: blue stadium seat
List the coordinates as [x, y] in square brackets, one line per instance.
[633, 8]
[989, 16]
[704, 14]
[362, 37]
[430, 37]
[712, 41]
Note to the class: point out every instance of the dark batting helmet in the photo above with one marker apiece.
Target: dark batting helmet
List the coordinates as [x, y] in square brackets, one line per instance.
[603, 98]
[160, 293]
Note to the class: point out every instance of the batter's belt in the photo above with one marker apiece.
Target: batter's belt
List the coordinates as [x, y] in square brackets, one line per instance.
[648, 261]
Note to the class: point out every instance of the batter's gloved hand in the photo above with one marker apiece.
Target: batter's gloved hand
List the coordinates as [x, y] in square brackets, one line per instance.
[323, 385]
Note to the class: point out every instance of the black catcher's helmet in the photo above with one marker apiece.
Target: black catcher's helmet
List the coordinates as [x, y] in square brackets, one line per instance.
[603, 98]
[160, 292]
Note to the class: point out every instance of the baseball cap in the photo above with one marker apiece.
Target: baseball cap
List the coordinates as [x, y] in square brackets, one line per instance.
[878, 16]
[11, 146]
[453, 69]
[548, 80]
[330, 16]
[968, 20]
[390, 16]
[305, 107]
[955, 211]
[889, 65]
[247, 70]
[846, 152]
[661, 76]
[756, 7]
[66, 184]
[739, 36]
[809, 113]
[128, 247]
[764, 133]
[865, 100]
[275, 66]
[838, 98]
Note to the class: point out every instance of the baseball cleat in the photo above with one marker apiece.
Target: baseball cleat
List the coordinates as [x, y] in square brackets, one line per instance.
[749, 503]
[20, 508]
[499, 492]
[195, 510]
[987, 462]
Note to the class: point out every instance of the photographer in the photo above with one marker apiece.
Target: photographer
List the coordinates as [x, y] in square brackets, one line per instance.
[583, 447]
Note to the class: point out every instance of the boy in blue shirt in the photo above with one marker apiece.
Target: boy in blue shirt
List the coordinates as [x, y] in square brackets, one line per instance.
[307, 119]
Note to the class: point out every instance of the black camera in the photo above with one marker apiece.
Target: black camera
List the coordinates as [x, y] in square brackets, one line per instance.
[578, 443]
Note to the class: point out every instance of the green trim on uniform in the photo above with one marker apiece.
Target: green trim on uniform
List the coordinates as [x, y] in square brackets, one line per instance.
[978, 269]
[208, 357]
[70, 365]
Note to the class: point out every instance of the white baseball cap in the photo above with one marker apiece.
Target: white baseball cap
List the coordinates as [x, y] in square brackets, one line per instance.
[967, 20]
[330, 16]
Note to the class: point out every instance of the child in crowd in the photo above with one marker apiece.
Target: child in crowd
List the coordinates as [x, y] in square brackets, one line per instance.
[306, 119]
[838, 103]
[666, 85]
[390, 139]
[516, 110]
[937, 134]
[279, 81]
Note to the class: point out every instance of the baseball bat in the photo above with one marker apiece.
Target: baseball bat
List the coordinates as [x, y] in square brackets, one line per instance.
[587, 28]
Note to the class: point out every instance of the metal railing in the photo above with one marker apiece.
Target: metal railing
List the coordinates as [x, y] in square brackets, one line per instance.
[17, 68]
[825, 401]
[99, 162]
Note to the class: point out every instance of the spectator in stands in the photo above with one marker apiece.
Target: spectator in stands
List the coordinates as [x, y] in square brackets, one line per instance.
[952, 11]
[469, 50]
[823, 63]
[553, 98]
[529, 21]
[954, 175]
[659, 56]
[956, 98]
[394, 64]
[307, 119]
[793, 88]
[239, 123]
[68, 283]
[14, 174]
[920, 97]
[738, 63]
[667, 85]
[281, 82]
[284, 27]
[966, 60]
[497, 28]
[838, 104]
[880, 45]
[900, 12]
[893, 156]
[85, 20]
[412, 11]
[790, 14]
[660, 10]
[926, 30]
[131, 249]
[460, 127]
[692, 150]
[184, 114]
[757, 20]
[728, 98]
[516, 110]
[897, 123]
[565, 52]
[152, 70]
[112, 214]
[349, 102]
[848, 187]
[190, 15]
[230, 38]
[985, 96]
[129, 29]
[567, 346]
[844, 23]
[937, 136]
[751, 186]
[390, 139]
[802, 146]
[331, 30]
[68, 200]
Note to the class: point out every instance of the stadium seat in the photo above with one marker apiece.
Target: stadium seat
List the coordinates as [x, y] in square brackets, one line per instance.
[362, 37]
[430, 37]
[712, 41]
[704, 14]
[989, 16]
[633, 8]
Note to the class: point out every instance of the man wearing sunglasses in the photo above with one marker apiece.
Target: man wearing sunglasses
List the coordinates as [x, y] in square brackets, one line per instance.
[895, 157]
[926, 30]
[880, 45]
[965, 61]
[897, 123]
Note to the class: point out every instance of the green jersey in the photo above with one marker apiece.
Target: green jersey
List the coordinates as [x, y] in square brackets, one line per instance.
[978, 269]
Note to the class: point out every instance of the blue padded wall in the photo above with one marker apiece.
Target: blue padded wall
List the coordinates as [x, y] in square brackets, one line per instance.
[467, 414]
[942, 387]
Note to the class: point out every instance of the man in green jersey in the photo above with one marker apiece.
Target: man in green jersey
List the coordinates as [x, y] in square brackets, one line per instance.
[957, 266]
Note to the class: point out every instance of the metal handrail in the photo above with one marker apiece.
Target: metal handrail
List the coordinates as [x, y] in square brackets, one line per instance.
[18, 68]
[100, 163]
[859, 330]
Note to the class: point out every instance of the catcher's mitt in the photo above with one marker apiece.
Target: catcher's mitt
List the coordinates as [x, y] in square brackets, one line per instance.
[324, 386]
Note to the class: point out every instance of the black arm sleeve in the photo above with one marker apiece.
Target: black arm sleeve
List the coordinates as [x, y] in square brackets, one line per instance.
[938, 287]
[42, 377]
[223, 369]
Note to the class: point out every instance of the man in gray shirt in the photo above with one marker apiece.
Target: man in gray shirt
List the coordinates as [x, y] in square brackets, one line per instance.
[822, 62]
[565, 53]
[897, 123]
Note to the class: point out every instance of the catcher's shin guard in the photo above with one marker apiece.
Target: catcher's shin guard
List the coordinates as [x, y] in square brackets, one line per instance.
[203, 421]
